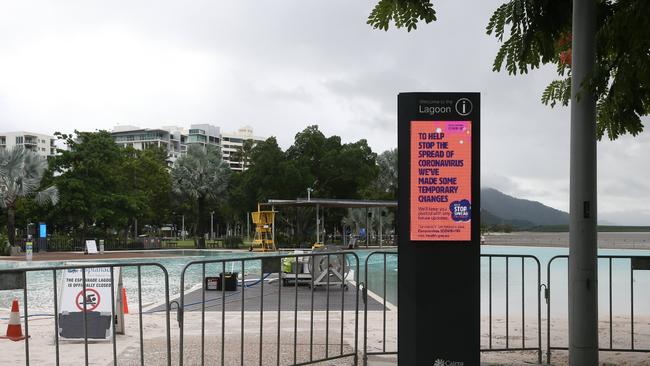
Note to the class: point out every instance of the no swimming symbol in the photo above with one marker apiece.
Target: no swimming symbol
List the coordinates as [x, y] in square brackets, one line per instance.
[91, 299]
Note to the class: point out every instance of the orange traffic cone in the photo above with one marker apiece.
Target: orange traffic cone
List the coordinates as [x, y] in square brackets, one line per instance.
[14, 329]
[125, 303]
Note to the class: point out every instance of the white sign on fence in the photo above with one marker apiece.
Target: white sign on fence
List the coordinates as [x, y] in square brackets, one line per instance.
[95, 301]
[91, 247]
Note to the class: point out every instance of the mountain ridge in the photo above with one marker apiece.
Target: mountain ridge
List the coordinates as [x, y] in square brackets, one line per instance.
[500, 208]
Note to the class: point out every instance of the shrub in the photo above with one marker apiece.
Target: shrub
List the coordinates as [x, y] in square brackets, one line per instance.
[4, 244]
[233, 242]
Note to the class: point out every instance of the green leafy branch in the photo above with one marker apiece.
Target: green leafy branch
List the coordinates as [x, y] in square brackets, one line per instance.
[404, 13]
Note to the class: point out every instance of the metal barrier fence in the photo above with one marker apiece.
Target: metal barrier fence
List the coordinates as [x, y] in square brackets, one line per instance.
[636, 263]
[509, 346]
[277, 293]
[66, 244]
[325, 269]
[58, 244]
[384, 295]
[20, 274]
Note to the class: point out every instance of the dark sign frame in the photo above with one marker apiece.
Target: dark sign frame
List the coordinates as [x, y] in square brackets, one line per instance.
[439, 281]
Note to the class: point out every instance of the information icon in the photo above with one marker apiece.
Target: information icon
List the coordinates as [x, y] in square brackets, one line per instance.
[463, 106]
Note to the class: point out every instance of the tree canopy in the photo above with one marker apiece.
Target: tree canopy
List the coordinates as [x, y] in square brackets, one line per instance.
[105, 186]
[538, 32]
[200, 175]
[329, 167]
[21, 172]
[384, 187]
[105, 190]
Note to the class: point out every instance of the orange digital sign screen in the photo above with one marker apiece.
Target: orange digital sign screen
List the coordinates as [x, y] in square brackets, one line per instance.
[441, 180]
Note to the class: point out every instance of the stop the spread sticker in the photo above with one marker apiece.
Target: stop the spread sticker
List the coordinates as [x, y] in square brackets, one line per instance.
[441, 180]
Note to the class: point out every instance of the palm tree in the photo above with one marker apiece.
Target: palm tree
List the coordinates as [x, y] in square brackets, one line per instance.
[20, 176]
[200, 175]
[356, 218]
[243, 153]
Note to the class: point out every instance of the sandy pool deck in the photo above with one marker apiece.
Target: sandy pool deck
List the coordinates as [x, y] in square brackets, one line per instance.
[42, 350]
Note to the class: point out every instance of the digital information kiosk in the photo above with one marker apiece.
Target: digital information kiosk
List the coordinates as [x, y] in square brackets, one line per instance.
[439, 237]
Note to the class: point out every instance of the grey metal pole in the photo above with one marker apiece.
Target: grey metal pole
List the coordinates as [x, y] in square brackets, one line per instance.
[317, 224]
[273, 227]
[381, 244]
[248, 226]
[583, 243]
[211, 225]
[322, 219]
[183, 227]
[367, 230]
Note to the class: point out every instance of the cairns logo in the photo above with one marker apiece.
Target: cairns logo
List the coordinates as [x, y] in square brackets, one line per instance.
[441, 362]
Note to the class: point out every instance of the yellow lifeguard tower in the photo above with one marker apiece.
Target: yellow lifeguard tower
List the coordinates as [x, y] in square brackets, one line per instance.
[263, 240]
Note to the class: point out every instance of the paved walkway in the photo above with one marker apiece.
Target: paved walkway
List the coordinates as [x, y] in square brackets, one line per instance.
[289, 298]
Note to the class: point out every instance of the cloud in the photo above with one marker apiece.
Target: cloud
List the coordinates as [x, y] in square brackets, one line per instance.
[282, 66]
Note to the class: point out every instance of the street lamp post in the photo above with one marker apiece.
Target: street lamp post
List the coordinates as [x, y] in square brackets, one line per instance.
[317, 223]
[368, 214]
[380, 228]
[183, 227]
[211, 225]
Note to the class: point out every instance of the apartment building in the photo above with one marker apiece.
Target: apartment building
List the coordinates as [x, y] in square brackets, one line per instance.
[233, 142]
[169, 138]
[41, 144]
[177, 139]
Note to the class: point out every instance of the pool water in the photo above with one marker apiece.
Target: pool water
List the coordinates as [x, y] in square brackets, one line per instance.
[40, 283]
[40, 295]
[621, 281]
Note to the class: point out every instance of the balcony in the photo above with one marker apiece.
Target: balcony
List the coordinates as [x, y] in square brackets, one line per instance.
[30, 140]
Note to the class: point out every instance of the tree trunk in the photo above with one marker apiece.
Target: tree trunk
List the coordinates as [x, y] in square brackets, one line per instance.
[82, 244]
[11, 224]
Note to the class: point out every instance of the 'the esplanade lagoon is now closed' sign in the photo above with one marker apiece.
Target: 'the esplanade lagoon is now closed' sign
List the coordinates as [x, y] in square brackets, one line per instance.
[92, 305]
[441, 180]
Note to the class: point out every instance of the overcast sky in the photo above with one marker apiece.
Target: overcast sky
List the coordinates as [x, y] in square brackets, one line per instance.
[282, 65]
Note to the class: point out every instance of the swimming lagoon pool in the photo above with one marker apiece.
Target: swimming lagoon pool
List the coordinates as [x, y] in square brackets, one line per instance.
[40, 296]
[40, 283]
